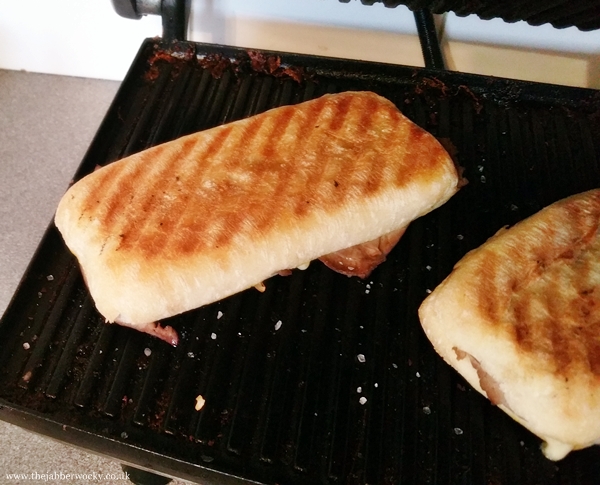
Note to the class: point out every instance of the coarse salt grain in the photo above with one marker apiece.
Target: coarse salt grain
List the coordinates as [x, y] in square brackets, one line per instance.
[458, 431]
[426, 410]
[190, 355]
[359, 389]
[147, 352]
[361, 358]
[219, 314]
[213, 336]
[50, 277]
[26, 346]
[362, 400]
[200, 401]
[278, 325]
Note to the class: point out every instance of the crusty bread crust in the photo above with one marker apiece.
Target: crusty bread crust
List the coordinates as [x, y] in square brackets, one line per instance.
[189, 222]
[519, 318]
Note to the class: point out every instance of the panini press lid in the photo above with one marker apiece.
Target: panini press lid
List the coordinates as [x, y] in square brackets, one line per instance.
[583, 14]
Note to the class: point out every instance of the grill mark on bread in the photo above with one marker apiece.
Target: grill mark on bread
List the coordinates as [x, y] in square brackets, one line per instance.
[158, 254]
[102, 192]
[219, 223]
[247, 149]
[341, 113]
[301, 129]
[271, 143]
[552, 275]
[420, 162]
[557, 334]
[116, 216]
[362, 179]
[156, 203]
[190, 232]
[258, 174]
[331, 122]
[161, 205]
[354, 176]
[377, 174]
[91, 199]
[489, 290]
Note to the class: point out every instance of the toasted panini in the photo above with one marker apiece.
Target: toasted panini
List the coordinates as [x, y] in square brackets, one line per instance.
[197, 219]
[519, 318]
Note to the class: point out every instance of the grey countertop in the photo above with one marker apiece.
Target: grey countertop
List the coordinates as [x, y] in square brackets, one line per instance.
[46, 124]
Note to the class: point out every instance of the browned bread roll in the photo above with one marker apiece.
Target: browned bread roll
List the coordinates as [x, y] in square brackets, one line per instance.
[197, 219]
[519, 318]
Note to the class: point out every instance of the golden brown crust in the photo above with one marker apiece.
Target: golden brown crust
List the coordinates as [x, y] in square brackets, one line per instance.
[547, 299]
[148, 211]
[197, 219]
[525, 308]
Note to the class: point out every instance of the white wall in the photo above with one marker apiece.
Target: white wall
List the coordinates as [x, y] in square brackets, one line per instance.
[87, 38]
[75, 37]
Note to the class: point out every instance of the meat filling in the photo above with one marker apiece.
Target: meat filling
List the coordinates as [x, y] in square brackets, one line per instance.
[489, 385]
[168, 334]
[362, 259]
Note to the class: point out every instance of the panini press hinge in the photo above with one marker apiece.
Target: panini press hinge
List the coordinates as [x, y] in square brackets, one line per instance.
[174, 13]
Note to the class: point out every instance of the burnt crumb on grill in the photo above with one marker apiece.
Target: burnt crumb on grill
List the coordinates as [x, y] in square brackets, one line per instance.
[476, 101]
[178, 54]
[432, 89]
[432, 82]
[174, 55]
[271, 64]
[252, 61]
[263, 63]
[225, 417]
[155, 419]
[216, 64]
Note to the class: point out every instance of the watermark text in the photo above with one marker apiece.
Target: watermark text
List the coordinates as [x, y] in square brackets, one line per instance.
[53, 477]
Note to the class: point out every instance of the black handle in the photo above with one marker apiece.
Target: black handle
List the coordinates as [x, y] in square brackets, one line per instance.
[126, 8]
[430, 45]
[174, 19]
